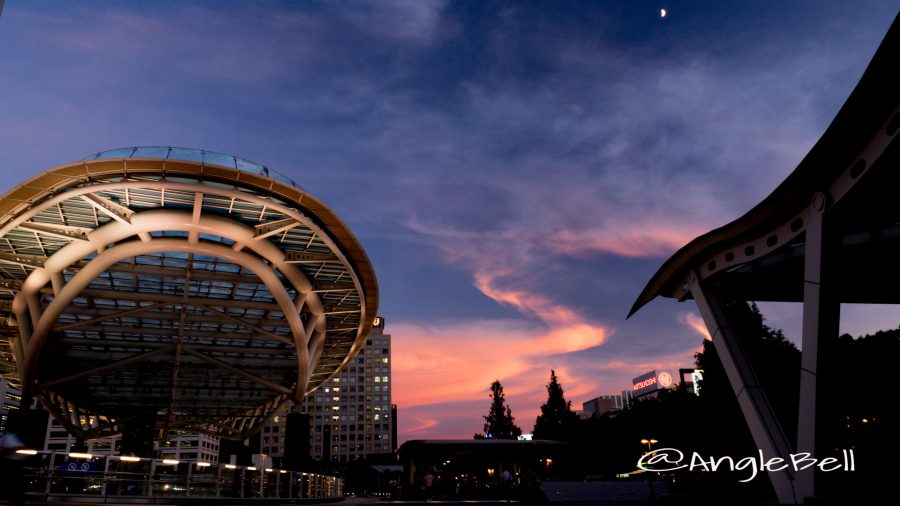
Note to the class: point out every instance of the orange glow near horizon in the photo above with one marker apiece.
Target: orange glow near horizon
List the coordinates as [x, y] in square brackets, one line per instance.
[443, 373]
[453, 363]
[443, 370]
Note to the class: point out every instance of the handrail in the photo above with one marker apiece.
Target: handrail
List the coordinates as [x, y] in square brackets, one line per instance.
[57, 474]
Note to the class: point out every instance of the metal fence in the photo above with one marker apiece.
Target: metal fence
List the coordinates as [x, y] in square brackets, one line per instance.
[53, 474]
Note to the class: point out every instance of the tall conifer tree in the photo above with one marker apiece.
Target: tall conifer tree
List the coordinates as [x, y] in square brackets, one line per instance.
[556, 421]
[499, 423]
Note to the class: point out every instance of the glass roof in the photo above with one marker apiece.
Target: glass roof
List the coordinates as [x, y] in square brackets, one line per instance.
[194, 155]
[230, 313]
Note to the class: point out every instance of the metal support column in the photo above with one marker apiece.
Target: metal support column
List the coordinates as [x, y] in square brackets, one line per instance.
[150, 478]
[761, 420]
[821, 319]
[190, 475]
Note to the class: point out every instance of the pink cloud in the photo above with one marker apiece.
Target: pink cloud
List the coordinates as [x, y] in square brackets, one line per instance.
[422, 425]
[435, 364]
[640, 242]
[695, 322]
[442, 373]
[526, 301]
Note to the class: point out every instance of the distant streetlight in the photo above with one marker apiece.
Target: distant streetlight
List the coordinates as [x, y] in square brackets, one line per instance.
[649, 443]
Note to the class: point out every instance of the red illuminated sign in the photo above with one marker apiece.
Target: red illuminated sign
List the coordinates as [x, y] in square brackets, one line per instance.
[665, 379]
[643, 384]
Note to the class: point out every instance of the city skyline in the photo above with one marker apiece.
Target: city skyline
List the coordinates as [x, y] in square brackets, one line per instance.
[516, 171]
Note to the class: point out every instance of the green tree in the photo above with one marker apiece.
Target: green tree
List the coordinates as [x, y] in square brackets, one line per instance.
[499, 422]
[556, 421]
[775, 359]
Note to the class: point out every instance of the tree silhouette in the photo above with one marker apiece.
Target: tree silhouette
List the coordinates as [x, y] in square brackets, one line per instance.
[775, 359]
[556, 421]
[499, 423]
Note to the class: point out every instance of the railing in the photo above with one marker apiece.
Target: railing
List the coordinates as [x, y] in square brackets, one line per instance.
[101, 476]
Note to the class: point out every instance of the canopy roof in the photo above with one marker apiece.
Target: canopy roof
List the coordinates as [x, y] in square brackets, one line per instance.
[759, 255]
[200, 288]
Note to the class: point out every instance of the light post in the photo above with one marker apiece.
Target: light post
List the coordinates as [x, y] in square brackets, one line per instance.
[649, 443]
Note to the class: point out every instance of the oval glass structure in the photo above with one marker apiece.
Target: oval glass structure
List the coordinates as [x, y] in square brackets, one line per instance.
[196, 289]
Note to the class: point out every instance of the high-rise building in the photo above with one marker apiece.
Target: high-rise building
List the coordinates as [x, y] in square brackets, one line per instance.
[602, 405]
[351, 414]
[9, 401]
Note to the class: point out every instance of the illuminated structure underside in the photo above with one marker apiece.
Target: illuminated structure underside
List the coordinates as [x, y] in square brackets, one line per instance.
[199, 288]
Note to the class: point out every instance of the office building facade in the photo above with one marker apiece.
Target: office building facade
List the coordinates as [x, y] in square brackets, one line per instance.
[351, 415]
[10, 397]
[602, 405]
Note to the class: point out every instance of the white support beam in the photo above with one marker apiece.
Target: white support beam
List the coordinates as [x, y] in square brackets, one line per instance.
[110, 316]
[304, 257]
[171, 316]
[340, 309]
[172, 299]
[108, 207]
[761, 419]
[333, 287]
[174, 272]
[243, 323]
[57, 281]
[141, 357]
[194, 233]
[27, 261]
[213, 348]
[66, 232]
[129, 249]
[821, 320]
[234, 195]
[268, 229]
[125, 221]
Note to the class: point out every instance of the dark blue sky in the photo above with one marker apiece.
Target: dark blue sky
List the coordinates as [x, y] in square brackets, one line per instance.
[516, 170]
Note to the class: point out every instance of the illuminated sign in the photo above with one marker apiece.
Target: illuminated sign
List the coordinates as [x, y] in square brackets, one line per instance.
[664, 379]
[650, 382]
[644, 383]
[696, 376]
[376, 322]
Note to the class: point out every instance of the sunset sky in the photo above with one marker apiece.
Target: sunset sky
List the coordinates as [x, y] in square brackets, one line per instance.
[516, 171]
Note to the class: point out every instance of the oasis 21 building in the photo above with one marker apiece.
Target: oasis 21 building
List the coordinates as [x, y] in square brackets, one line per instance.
[150, 291]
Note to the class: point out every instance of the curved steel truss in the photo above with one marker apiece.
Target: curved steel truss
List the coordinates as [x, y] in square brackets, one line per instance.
[197, 288]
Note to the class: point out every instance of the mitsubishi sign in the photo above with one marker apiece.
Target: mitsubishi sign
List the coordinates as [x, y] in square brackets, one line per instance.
[651, 382]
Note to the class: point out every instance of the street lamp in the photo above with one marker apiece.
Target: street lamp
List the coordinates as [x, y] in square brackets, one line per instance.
[649, 443]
